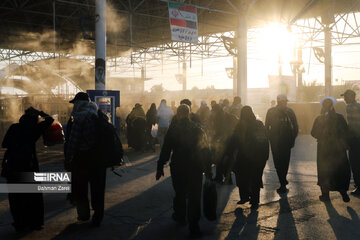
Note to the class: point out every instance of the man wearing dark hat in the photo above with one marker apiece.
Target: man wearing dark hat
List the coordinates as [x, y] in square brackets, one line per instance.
[353, 118]
[80, 96]
[189, 159]
[282, 129]
[82, 160]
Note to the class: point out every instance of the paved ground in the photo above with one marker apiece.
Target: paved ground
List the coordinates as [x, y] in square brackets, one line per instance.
[138, 207]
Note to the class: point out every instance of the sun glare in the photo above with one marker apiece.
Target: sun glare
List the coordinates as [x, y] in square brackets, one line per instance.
[275, 42]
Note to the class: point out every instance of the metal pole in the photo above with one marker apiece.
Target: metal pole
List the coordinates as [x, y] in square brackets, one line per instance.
[100, 39]
[54, 26]
[234, 77]
[300, 73]
[242, 58]
[184, 76]
[328, 62]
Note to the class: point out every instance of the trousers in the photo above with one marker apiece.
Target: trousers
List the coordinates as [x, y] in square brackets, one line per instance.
[281, 157]
[187, 184]
[81, 178]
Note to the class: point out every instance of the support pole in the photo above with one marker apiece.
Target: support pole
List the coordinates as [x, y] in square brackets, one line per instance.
[328, 61]
[184, 76]
[299, 74]
[242, 58]
[100, 50]
[54, 27]
[234, 77]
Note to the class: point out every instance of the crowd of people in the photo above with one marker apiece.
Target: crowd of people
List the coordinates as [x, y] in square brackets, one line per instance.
[224, 136]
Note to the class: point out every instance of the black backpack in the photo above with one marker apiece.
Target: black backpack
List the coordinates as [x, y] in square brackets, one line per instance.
[108, 147]
[261, 141]
[286, 128]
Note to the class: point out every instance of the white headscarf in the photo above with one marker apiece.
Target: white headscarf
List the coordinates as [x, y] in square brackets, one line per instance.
[334, 101]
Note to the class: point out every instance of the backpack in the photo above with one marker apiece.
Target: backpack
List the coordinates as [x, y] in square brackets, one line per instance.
[261, 141]
[286, 128]
[108, 147]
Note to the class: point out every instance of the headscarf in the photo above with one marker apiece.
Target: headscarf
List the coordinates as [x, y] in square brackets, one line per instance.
[334, 101]
[247, 115]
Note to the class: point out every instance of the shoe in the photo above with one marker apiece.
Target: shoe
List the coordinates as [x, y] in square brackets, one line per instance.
[243, 201]
[180, 221]
[95, 223]
[254, 206]
[324, 198]
[21, 228]
[345, 197]
[83, 219]
[37, 227]
[356, 192]
[195, 231]
[282, 190]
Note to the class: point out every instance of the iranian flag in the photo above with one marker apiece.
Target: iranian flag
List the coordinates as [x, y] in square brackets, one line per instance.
[183, 22]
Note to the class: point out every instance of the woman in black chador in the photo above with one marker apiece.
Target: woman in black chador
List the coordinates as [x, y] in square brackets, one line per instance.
[250, 140]
[151, 120]
[27, 209]
[330, 129]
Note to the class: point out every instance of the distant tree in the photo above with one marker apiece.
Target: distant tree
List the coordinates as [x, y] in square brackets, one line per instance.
[312, 92]
[157, 88]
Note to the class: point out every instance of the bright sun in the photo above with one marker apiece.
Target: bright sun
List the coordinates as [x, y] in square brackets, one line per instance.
[275, 41]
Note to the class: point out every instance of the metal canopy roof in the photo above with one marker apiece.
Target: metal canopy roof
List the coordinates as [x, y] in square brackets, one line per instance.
[135, 24]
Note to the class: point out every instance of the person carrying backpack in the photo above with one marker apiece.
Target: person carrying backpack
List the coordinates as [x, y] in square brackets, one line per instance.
[353, 119]
[282, 129]
[85, 163]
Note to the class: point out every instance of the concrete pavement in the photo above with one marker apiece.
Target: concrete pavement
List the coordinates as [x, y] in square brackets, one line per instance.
[139, 207]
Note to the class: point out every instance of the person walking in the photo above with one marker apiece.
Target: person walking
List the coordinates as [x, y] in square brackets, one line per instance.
[27, 209]
[190, 158]
[353, 119]
[251, 143]
[236, 107]
[136, 123]
[331, 131]
[204, 115]
[151, 120]
[164, 115]
[86, 167]
[282, 129]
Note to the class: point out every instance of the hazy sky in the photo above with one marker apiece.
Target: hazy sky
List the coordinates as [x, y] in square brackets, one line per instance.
[262, 61]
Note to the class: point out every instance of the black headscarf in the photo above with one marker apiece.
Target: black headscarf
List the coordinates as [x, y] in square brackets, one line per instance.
[247, 115]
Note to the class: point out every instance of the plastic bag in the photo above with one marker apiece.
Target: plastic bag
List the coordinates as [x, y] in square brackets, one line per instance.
[154, 130]
[54, 134]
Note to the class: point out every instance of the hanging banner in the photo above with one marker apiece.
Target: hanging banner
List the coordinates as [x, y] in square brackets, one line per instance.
[183, 22]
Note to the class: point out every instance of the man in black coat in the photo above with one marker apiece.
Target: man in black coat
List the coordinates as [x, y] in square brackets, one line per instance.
[353, 118]
[282, 129]
[82, 152]
[189, 160]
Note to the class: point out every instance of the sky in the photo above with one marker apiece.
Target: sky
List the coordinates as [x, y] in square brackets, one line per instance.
[263, 55]
[267, 44]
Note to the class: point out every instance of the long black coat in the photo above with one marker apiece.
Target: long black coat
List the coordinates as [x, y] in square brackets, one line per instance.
[27, 209]
[279, 137]
[333, 167]
[250, 160]
[188, 145]
[20, 141]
